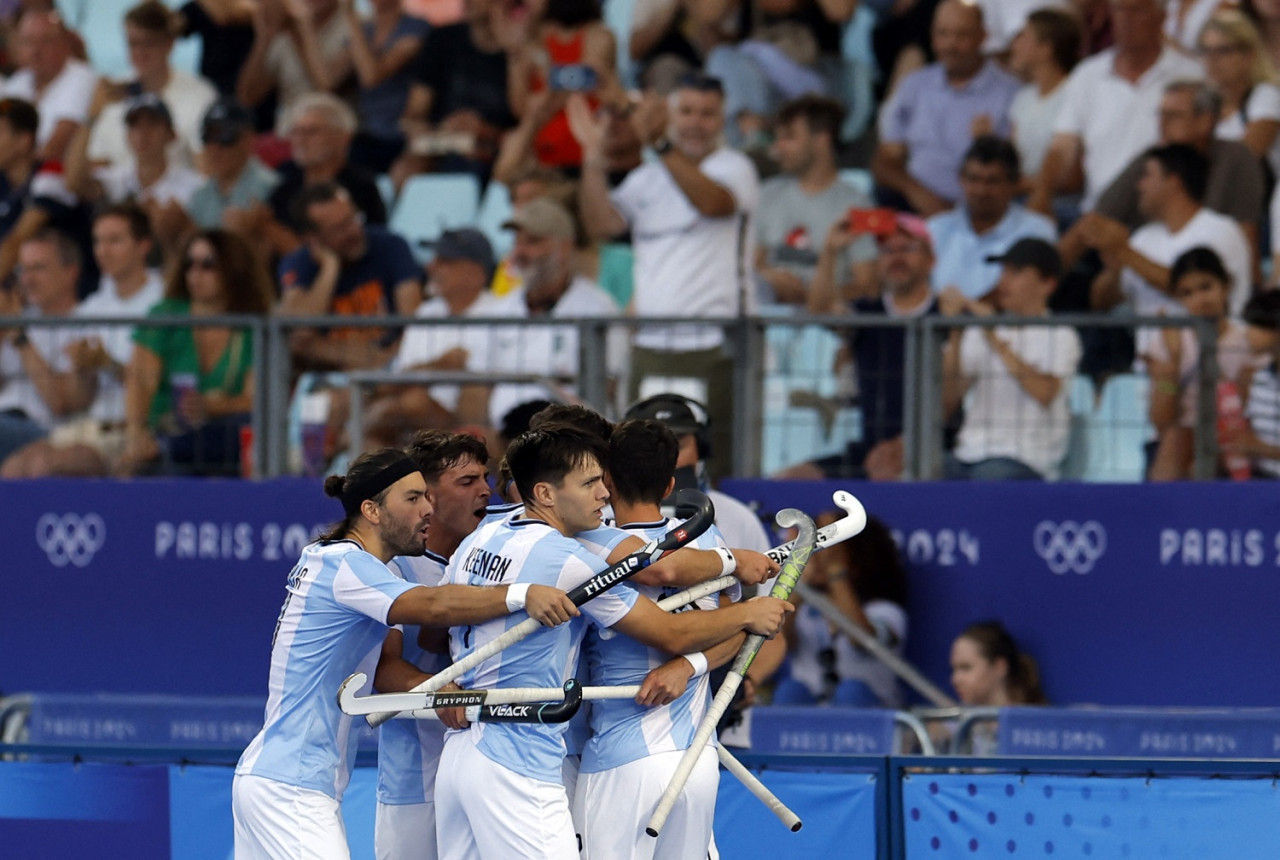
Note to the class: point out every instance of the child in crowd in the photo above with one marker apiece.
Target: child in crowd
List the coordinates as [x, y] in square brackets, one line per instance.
[1201, 284]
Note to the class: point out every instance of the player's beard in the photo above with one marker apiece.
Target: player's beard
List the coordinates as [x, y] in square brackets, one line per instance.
[404, 536]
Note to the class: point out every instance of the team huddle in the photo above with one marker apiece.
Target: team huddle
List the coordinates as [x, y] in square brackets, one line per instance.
[421, 552]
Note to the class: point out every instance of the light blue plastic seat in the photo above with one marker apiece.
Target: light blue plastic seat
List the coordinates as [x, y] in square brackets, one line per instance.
[431, 203]
[1117, 431]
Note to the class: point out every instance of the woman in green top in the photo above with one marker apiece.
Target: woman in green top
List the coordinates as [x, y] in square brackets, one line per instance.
[190, 390]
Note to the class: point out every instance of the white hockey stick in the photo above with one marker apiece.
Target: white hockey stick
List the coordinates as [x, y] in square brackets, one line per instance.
[829, 535]
[759, 789]
[380, 703]
[792, 568]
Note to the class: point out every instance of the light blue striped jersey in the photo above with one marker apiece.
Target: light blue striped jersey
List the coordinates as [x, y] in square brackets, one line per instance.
[333, 623]
[409, 750]
[502, 552]
[621, 730]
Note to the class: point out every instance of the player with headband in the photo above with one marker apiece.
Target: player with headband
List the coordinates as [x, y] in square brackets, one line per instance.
[635, 746]
[499, 786]
[453, 465]
[341, 597]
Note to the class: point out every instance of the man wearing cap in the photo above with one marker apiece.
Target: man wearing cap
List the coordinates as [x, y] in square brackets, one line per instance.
[341, 598]
[150, 28]
[690, 212]
[456, 288]
[1013, 380]
[149, 176]
[239, 183]
[879, 352]
[345, 267]
[543, 256]
[987, 221]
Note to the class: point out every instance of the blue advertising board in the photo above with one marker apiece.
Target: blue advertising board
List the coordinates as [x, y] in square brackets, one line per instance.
[1126, 595]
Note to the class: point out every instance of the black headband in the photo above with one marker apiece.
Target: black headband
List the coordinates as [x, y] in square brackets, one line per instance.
[356, 492]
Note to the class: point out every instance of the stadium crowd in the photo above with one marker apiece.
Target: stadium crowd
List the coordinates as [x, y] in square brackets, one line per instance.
[1103, 157]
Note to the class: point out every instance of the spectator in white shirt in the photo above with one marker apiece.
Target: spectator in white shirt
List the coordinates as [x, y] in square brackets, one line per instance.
[1109, 111]
[89, 445]
[1137, 266]
[459, 275]
[39, 387]
[150, 28]
[1043, 53]
[59, 86]
[1013, 380]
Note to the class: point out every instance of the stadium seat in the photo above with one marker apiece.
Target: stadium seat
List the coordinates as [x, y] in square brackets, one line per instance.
[1080, 404]
[495, 210]
[1117, 430]
[431, 203]
[387, 188]
[617, 17]
[100, 24]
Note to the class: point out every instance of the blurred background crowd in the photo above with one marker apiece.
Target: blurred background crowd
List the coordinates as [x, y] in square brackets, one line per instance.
[1003, 171]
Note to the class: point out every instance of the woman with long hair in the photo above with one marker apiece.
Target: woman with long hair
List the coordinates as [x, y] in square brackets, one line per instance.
[1238, 65]
[189, 390]
[866, 580]
[988, 669]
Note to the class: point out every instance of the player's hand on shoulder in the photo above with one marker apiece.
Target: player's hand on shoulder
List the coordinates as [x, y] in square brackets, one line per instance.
[754, 567]
[454, 718]
[550, 606]
[665, 684]
[767, 615]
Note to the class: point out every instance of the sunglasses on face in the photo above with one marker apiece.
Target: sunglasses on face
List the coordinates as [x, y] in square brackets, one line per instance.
[204, 264]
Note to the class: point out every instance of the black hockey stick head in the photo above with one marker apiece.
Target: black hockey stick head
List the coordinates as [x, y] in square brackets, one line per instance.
[698, 512]
[547, 713]
[704, 513]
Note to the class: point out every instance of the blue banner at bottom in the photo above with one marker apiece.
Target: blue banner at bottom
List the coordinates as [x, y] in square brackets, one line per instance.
[104, 812]
[1183, 818]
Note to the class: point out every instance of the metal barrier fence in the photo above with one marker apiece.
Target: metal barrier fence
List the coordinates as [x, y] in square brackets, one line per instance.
[794, 398]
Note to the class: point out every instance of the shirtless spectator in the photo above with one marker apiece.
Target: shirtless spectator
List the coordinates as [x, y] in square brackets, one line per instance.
[918, 159]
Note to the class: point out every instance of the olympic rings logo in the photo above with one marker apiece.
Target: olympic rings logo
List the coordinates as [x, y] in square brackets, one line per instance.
[1070, 545]
[70, 538]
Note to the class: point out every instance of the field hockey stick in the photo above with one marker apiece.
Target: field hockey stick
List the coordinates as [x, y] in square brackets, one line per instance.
[761, 791]
[801, 548]
[830, 535]
[703, 515]
[563, 704]
[410, 704]
[869, 643]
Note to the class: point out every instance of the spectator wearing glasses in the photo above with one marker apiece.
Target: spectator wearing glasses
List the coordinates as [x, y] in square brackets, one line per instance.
[189, 389]
[150, 28]
[345, 267]
[320, 128]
